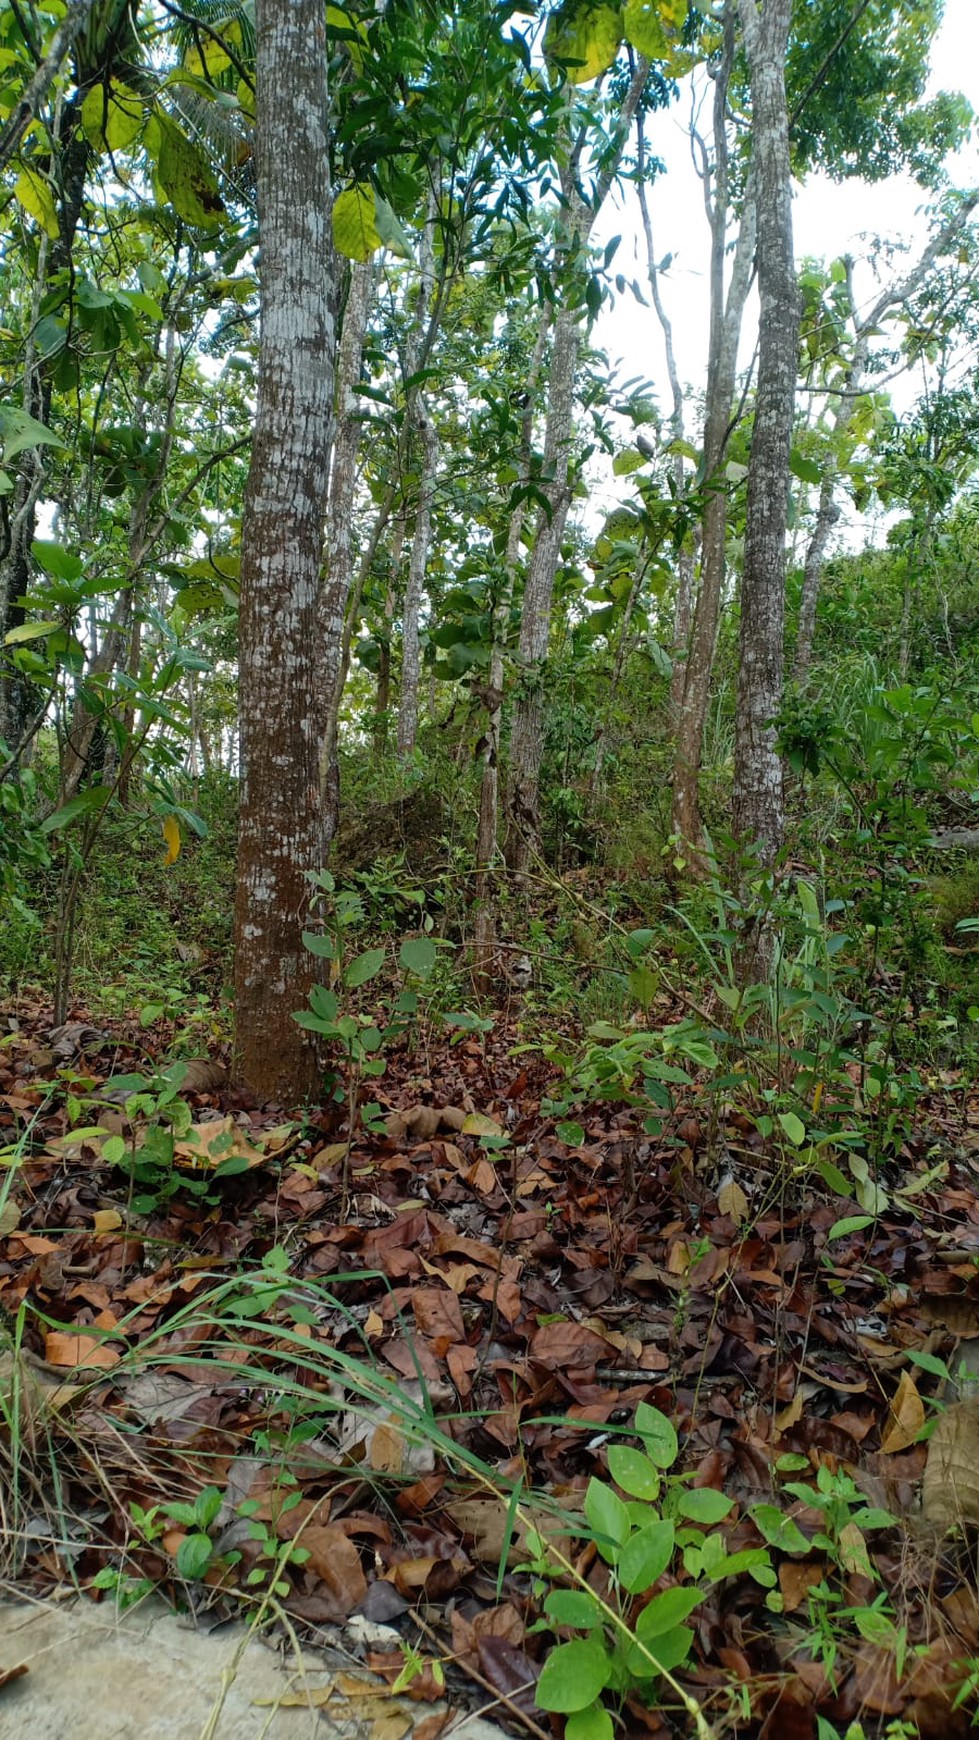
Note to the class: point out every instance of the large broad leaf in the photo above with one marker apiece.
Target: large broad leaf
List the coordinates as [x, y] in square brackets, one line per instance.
[573, 1676]
[113, 113]
[364, 967]
[355, 222]
[33, 192]
[418, 955]
[584, 39]
[186, 179]
[26, 631]
[653, 26]
[92, 798]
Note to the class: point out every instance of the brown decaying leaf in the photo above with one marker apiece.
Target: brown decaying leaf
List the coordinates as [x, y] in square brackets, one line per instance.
[950, 1488]
[907, 1416]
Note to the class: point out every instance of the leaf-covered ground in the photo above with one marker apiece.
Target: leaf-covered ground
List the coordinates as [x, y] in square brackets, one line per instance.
[526, 1298]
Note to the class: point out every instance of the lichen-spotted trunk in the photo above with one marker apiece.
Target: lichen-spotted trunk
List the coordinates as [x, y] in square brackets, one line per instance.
[282, 546]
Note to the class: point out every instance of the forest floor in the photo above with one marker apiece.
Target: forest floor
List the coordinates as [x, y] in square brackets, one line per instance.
[352, 1406]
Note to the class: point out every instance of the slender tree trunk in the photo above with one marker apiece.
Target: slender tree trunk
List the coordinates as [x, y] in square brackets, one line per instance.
[487, 840]
[280, 833]
[726, 319]
[758, 812]
[335, 593]
[417, 565]
[527, 732]
[827, 516]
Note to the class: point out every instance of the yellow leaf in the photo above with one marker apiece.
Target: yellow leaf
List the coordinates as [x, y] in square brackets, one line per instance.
[907, 1417]
[32, 191]
[171, 834]
[106, 1220]
[653, 26]
[584, 39]
[355, 229]
[114, 113]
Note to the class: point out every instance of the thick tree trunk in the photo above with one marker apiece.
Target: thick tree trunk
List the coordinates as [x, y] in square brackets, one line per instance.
[758, 812]
[280, 836]
[726, 319]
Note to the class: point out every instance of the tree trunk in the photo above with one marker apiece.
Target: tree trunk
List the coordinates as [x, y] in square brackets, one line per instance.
[487, 839]
[758, 813]
[417, 565]
[726, 318]
[335, 593]
[280, 836]
[527, 733]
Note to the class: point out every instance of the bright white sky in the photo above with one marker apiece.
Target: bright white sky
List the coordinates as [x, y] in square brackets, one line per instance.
[829, 220]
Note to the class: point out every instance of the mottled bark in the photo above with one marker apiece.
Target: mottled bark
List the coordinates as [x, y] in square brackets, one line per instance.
[758, 807]
[726, 319]
[335, 593]
[280, 835]
[487, 840]
[527, 731]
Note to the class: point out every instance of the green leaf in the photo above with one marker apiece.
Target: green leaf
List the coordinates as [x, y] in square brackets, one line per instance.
[322, 946]
[584, 38]
[629, 460]
[207, 1505]
[794, 1128]
[364, 967]
[646, 1555]
[355, 230]
[570, 1132]
[831, 1175]
[418, 954]
[668, 1650]
[850, 1223]
[28, 631]
[573, 1607]
[56, 560]
[665, 1611]
[32, 191]
[634, 1471]
[658, 1435]
[92, 798]
[638, 941]
[186, 179]
[21, 431]
[778, 1530]
[608, 1518]
[194, 1556]
[806, 470]
[114, 1150]
[595, 1723]
[702, 1504]
[573, 1676]
[644, 984]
